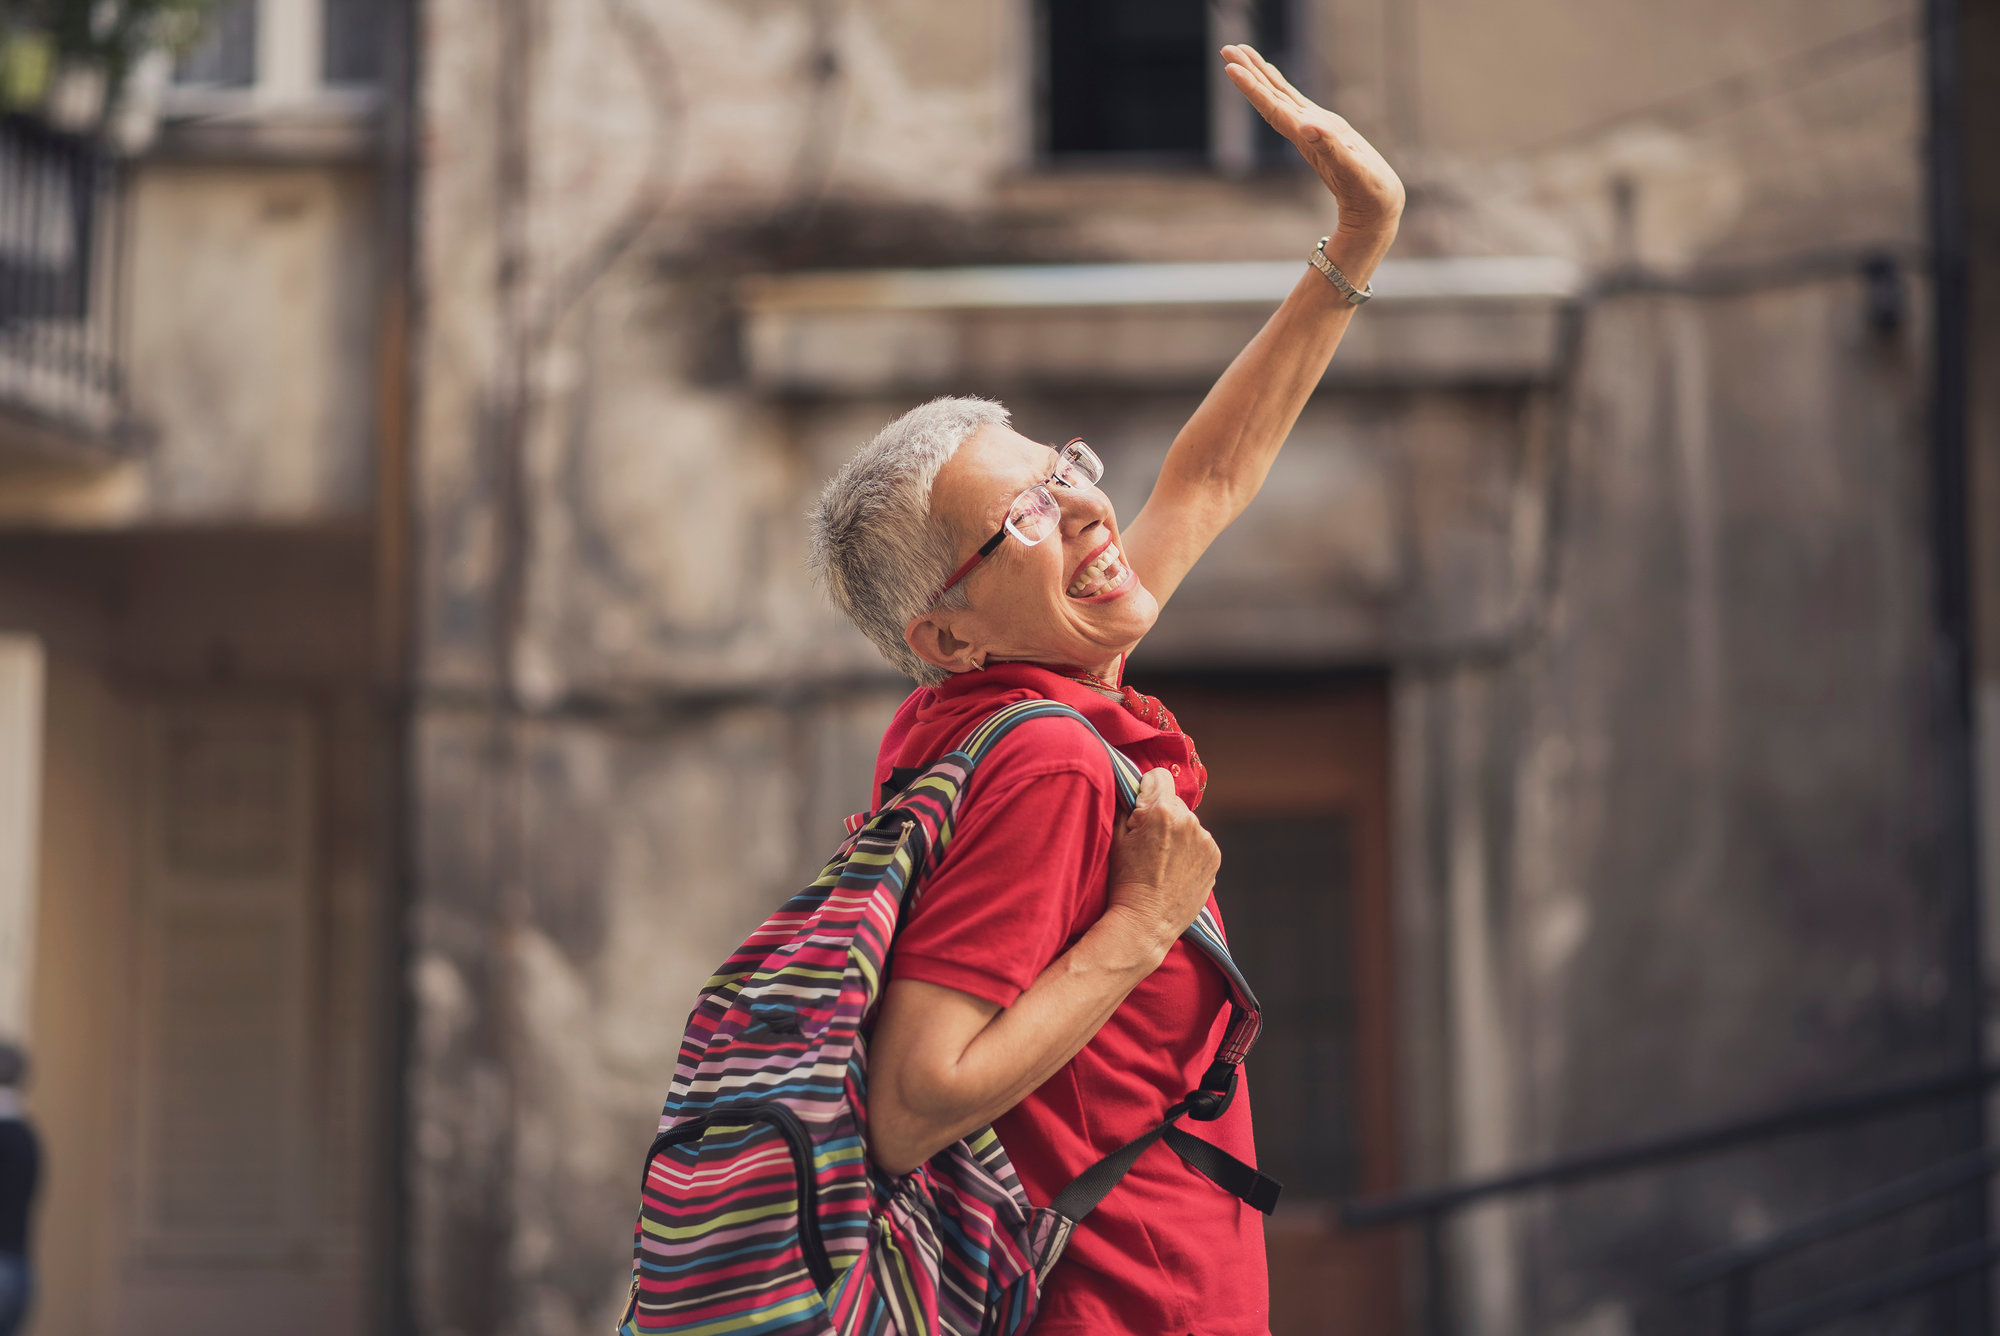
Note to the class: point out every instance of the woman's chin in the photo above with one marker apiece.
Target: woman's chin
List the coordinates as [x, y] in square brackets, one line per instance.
[1116, 627]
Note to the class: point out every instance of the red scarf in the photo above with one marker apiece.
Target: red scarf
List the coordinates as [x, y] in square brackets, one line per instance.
[1150, 712]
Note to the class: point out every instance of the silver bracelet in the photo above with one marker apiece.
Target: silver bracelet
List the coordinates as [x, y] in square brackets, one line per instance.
[1355, 296]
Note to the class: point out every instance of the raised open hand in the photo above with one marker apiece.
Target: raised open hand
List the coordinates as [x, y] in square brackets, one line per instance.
[1367, 187]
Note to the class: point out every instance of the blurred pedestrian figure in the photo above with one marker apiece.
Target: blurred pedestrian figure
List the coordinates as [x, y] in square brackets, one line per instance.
[20, 1171]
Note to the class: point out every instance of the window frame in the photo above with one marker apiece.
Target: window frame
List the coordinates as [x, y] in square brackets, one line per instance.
[288, 75]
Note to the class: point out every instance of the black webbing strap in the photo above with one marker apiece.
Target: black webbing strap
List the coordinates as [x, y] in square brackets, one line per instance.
[1224, 1170]
[1221, 1168]
[1094, 1184]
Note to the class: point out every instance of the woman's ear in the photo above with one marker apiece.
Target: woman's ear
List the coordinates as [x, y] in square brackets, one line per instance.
[933, 642]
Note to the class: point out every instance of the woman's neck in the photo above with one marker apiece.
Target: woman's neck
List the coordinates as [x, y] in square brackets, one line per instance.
[1111, 672]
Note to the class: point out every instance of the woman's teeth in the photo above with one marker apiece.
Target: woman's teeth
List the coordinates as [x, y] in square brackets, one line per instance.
[1107, 571]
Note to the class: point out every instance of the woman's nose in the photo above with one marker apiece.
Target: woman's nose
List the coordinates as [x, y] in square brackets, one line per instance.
[1083, 508]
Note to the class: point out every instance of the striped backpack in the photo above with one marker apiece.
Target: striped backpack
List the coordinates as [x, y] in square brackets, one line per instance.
[760, 1212]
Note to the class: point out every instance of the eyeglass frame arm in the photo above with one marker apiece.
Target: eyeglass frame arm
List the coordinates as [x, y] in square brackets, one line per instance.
[965, 568]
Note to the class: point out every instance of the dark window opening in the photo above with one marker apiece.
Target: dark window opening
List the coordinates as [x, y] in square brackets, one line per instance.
[353, 33]
[1137, 79]
[1128, 77]
[226, 54]
[1271, 22]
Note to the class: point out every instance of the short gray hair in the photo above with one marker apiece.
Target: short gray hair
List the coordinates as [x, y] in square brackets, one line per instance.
[876, 548]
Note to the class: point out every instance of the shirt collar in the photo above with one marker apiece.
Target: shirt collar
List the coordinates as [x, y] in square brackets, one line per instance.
[1118, 725]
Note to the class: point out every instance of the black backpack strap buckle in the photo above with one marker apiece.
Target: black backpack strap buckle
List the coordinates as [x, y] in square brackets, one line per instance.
[1215, 1094]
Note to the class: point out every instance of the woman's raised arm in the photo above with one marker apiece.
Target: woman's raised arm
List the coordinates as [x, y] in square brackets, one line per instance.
[1220, 459]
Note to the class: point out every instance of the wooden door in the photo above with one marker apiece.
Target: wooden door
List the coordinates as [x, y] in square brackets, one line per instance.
[251, 1071]
[1298, 798]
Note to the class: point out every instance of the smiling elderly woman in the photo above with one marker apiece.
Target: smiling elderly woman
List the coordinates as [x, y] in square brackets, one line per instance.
[1040, 983]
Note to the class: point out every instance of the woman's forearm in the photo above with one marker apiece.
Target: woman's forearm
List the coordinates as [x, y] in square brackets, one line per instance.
[1221, 457]
[1225, 451]
[918, 1107]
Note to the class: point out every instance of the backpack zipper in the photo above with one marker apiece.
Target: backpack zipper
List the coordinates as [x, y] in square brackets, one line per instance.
[794, 1133]
[631, 1304]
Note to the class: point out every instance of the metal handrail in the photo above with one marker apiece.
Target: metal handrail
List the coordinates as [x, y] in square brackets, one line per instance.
[1867, 1295]
[1890, 1199]
[1735, 1267]
[1428, 1208]
[1368, 1213]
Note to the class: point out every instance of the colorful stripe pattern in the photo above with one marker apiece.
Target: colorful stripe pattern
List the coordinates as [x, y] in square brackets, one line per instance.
[761, 1214]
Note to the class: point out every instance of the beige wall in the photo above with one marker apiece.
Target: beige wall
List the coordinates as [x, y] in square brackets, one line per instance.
[82, 1096]
[252, 298]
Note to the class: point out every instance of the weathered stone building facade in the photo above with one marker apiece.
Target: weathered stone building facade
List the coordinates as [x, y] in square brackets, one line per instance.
[1577, 673]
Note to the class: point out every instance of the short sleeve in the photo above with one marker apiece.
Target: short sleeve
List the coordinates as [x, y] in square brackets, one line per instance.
[1024, 874]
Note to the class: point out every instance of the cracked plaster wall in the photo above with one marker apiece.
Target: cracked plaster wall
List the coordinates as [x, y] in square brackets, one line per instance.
[1675, 856]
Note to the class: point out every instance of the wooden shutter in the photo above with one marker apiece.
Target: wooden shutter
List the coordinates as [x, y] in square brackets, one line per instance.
[225, 882]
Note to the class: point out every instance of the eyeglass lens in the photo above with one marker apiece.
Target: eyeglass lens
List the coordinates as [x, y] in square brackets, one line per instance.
[1036, 512]
[1035, 515]
[1077, 466]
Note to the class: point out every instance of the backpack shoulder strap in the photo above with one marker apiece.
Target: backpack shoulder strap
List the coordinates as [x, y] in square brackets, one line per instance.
[949, 773]
[1125, 775]
[1205, 933]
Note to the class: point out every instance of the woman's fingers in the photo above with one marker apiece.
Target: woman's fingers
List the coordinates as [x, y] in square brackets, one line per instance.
[1251, 59]
[1276, 79]
[1270, 104]
[1289, 114]
[1364, 184]
[1247, 59]
[1154, 786]
[1309, 113]
[1248, 78]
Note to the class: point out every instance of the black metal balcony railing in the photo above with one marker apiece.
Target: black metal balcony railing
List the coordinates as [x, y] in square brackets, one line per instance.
[60, 247]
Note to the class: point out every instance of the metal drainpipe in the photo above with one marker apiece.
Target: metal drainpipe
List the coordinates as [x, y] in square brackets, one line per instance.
[1951, 544]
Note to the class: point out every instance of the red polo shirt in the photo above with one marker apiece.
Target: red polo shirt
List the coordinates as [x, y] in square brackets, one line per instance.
[1168, 1253]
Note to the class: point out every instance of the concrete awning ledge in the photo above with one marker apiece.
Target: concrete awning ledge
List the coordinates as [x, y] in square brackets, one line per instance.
[1460, 321]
